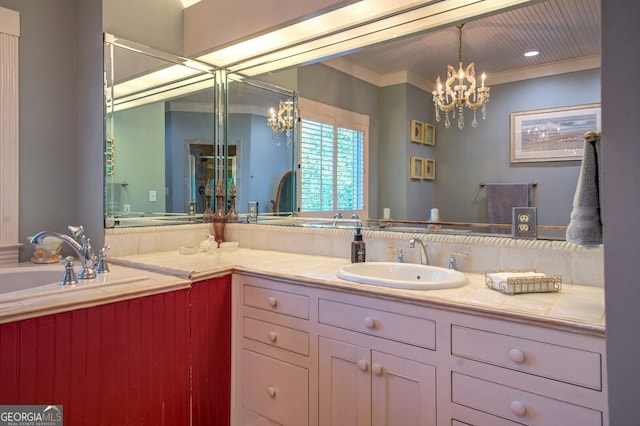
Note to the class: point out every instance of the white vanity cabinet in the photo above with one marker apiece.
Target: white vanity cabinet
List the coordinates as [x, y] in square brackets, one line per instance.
[306, 354]
[368, 375]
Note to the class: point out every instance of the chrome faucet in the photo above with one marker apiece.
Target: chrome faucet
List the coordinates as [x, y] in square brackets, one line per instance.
[336, 217]
[424, 258]
[80, 244]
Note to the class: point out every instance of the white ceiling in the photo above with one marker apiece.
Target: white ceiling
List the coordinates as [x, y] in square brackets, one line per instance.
[565, 32]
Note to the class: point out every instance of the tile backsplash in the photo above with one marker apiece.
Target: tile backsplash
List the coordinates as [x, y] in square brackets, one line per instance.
[576, 264]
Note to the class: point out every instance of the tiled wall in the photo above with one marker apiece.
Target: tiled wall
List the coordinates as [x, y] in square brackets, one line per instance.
[576, 264]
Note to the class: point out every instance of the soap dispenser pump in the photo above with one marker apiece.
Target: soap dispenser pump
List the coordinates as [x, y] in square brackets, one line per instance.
[358, 248]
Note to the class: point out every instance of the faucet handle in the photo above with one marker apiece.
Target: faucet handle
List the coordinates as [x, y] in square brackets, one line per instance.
[69, 274]
[397, 254]
[103, 267]
[453, 264]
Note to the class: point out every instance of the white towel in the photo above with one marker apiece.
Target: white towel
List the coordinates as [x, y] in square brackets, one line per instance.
[585, 227]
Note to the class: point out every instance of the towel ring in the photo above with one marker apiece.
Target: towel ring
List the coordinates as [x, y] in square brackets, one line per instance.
[591, 136]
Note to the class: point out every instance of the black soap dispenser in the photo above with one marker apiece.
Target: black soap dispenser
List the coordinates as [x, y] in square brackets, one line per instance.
[358, 248]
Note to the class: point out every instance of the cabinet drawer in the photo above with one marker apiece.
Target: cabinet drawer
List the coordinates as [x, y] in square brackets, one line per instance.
[517, 405]
[556, 362]
[401, 328]
[276, 335]
[282, 302]
[275, 389]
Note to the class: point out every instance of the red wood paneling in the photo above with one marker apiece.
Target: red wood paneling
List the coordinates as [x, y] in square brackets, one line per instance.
[125, 363]
[211, 351]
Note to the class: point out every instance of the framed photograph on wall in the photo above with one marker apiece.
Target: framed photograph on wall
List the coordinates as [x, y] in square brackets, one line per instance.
[552, 134]
[417, 131]
[429, 134]
[416, 168]
[429, 168]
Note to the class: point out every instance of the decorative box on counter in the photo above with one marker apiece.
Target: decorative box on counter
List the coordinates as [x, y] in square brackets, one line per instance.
[517, 282]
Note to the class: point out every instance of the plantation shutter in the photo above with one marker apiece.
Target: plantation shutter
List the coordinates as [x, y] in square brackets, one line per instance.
[333, 159]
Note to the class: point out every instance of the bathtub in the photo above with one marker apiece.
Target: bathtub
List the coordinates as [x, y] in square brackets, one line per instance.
[28, 275]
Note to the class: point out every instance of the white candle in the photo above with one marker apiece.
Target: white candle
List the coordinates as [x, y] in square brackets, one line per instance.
[435, 215]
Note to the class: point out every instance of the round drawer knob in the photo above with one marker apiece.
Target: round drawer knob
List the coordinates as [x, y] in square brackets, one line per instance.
[518, 408]
[273, 302]
[516, 356]
[370, 323]
[376, 369]
[272, 391]
[273, 336]
[362, 365]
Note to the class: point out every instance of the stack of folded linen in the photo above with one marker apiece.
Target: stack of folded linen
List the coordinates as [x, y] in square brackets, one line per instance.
[523, 282]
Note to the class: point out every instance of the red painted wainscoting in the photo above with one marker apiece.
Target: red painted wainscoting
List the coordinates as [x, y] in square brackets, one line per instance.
[211, 351]
[126, 363]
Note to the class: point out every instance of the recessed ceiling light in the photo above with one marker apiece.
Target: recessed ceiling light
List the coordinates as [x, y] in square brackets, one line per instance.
[531, 53]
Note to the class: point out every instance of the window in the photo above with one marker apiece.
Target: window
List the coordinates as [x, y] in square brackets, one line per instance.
[333, 160]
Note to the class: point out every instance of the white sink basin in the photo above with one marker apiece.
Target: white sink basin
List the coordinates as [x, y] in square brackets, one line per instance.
[402, 275]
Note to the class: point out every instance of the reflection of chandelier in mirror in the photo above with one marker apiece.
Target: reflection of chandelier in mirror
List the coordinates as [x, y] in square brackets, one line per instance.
[450, 99]
[283, 120]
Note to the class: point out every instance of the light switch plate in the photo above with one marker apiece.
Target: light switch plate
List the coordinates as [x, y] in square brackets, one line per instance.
[152, 195]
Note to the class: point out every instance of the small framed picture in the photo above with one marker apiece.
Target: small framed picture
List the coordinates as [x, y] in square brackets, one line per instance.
[416, 168]
[429, 134]
[429, 168]
[417, 131]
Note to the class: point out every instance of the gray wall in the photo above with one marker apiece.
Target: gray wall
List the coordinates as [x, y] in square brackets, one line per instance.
[60, 116]
[467, 157]
[155, 23]
[139, 157]
[621, 158]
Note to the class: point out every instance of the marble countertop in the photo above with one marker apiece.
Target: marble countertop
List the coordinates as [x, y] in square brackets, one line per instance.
[576, 307]
[121, 283]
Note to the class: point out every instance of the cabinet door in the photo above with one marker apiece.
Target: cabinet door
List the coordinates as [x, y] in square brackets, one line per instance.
[345, 384]
[403, 391]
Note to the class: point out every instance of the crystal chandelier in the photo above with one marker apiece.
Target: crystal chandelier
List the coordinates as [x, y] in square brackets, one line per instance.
[460, 95]
[283, 120]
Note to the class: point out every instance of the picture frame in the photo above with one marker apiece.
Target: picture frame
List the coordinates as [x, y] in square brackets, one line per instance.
[416, 168]
[416, 131]
[429, 168]
[109, 155]
[429, 134]
[552, 134]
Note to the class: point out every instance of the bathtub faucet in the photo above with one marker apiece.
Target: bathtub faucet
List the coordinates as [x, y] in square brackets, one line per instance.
[79, 243]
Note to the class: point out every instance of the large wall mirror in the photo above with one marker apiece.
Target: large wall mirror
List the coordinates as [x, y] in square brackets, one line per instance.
[259, 160]
[172, 134]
